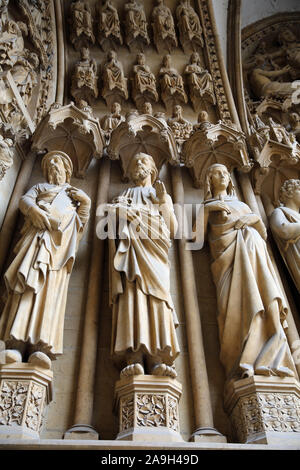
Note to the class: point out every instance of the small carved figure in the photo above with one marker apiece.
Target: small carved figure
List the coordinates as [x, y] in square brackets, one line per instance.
[11, 43]
[180, 127]
[143, 82]
[109, 31]
[285, 226]
[56, 213]
[110, 121]
[252, 308]
[24, 73]
[172, 87]
[290, 49]
[114, 83]
[144, 319]
[81, 23]
[84, 79]
[163, 28]
[295, 125]
[203, 122]
[190, 31]
[200, 81]
[135, 25]
[147, 108]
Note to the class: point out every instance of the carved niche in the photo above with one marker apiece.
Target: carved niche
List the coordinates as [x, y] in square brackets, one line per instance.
[215, 143]
[73, 131]
[143, 133]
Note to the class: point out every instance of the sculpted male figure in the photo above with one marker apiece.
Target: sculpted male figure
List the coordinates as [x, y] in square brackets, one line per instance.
[285, 225]
[144, 319]
[56, 213]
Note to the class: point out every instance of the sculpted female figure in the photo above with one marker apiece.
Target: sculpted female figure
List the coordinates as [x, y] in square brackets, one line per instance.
[251, 306]
[285, 225]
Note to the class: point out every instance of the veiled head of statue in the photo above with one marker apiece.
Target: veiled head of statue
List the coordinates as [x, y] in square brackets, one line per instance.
[56, 162]
[141, 166]
[217, 170]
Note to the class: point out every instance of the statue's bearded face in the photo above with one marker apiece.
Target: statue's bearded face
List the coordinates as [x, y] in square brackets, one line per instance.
[56, 171]
[141, 168]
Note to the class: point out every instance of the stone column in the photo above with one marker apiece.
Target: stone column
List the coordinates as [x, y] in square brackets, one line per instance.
[25, 390]
[82, 428]
[204, 425]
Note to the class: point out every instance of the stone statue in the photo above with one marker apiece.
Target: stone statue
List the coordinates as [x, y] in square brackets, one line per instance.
[252, 308]
[144, 319]
[81, 25]
[110, 121]
[285, 225]
[295, 125]
[263, 83]
[6, 143]
[56, 213]
[190, 31]
[163, 28]
[199, 81]
[171, 83]
[114, 82]
[109, 31]
[11, 43]
[84, 78]
[180, 127]
[143, 82]
[203, 122]
[135, 25]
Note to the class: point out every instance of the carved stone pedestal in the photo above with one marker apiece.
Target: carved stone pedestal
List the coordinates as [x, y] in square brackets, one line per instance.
[25, 390]
[265, 410]
[148, 408]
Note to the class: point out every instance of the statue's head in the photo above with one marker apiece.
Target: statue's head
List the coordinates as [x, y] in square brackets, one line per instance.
[286, 35]
[217, 177]
[141, 59]
[147, 108]
[290, 190]
[195, 58]
[177, 110]
[57, 167]
[167, 60]
[141, 166]
[116, 108]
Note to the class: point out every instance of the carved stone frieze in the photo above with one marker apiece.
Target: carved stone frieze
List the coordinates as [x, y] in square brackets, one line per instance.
[25, 390]
[215, 143]
[148, 405]
[264, 410]
[73, 131]
[143, 133]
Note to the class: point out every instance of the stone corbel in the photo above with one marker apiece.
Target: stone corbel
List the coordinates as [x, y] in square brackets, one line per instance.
[71, 130]
[143, 133]
[218, 143]
[276, 162]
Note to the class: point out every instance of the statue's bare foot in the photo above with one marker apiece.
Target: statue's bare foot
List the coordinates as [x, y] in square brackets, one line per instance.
[132, 369]
[40, 359]
[8, 356]
[163, 369]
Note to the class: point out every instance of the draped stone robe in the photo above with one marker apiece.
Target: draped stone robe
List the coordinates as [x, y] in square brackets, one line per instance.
[289, 248]
[252, 337]
[144, 318]
[37, 279]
